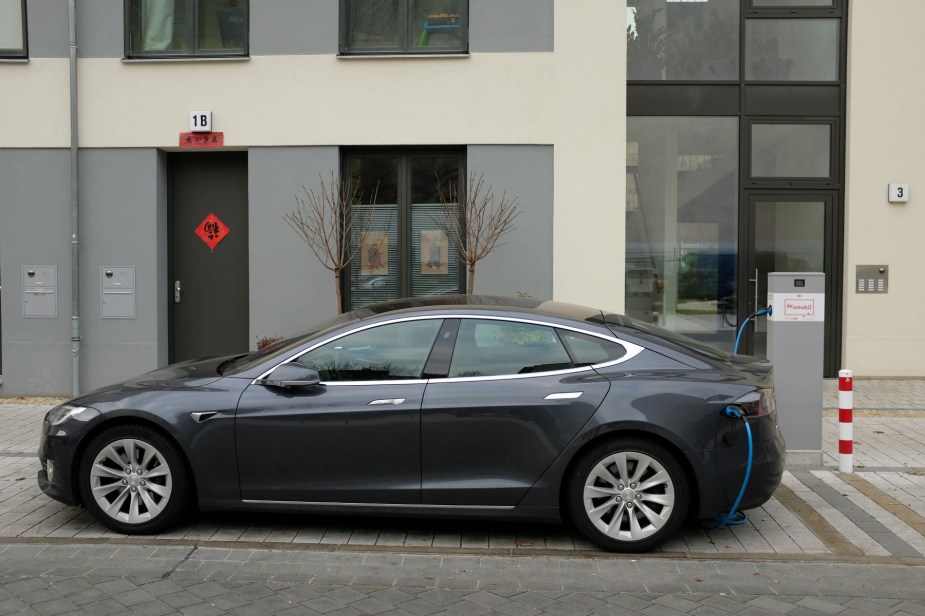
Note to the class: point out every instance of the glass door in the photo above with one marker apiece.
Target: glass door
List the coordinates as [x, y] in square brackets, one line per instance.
[785, 233]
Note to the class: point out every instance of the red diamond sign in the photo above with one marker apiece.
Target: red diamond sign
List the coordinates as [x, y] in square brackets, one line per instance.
[212, 231]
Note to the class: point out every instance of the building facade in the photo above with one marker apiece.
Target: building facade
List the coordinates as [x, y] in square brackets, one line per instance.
[754, 134]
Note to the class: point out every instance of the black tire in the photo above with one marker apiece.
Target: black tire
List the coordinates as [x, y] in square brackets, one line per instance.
[606, 516]
[142, 496]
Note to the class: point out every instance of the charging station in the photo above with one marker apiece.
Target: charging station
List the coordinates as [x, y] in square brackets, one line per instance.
[796, 336]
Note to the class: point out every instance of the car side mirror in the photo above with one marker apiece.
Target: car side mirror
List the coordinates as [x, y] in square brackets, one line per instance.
[293, 374]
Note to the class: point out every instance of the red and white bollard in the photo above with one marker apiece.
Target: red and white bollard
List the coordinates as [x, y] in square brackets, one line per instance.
[845, 421]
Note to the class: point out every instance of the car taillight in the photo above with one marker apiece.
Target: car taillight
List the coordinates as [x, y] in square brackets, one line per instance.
[758, 403]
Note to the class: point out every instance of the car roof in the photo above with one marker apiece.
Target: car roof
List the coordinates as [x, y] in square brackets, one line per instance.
[486, 303]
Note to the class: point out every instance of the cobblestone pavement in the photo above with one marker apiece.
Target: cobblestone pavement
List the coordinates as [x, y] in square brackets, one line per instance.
[878, 513]
[75, 579]
[827, 543]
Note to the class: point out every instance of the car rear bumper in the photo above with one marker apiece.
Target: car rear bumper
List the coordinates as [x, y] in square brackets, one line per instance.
[722, 472]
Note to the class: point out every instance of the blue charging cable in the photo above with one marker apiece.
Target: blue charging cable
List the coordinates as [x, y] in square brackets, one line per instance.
[735, 349]
[736, 517]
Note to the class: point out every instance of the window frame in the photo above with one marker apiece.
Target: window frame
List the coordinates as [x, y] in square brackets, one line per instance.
[404, 207]
[133, 25]
[23, 54]
[405, 48]
[827, 182]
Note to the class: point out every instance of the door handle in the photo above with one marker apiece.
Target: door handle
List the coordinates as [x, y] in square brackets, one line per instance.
[176, 292]
[565, 395]
[389, 401]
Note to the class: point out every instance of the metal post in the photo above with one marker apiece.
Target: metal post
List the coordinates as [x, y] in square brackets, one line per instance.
[845, 421]
[75, 202]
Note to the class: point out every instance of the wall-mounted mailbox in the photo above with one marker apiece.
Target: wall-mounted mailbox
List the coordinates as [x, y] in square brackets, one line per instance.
[117, 292]
[40, 291]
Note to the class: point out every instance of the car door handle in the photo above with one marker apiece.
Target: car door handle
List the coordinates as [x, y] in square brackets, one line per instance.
[565, 395]
[389, 401]
[201, 417]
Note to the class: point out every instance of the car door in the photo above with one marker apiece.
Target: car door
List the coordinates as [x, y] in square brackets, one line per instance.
[512, 400]
[355, 438]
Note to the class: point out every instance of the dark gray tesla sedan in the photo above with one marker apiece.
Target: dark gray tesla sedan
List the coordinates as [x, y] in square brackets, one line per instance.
[442, 406]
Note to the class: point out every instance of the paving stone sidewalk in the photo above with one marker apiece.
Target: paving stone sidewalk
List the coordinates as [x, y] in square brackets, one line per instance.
[877, 514]
[59, 579]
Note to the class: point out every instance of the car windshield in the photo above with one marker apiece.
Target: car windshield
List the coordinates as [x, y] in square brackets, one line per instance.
[654, 331]
[282, 347]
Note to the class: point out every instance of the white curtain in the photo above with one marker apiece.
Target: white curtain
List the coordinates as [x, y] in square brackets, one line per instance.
[157, 24]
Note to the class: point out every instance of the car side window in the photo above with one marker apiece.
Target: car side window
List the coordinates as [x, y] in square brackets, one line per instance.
[497, 348]
[589, 350]
[396, 351]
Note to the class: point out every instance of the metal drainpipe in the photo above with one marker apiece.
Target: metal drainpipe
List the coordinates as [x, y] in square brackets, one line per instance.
[75, 202]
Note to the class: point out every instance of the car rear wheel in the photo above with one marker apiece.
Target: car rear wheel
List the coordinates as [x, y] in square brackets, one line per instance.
[133, 480]
[628, 495]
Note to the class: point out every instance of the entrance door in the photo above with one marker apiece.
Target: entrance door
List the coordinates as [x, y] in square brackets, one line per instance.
[786, 233]
[209, 285]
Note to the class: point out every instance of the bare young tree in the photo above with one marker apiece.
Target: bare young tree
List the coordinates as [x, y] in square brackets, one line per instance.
[474, 222]
[326, 220]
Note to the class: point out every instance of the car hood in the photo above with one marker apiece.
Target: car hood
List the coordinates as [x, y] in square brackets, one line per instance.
[182, 375]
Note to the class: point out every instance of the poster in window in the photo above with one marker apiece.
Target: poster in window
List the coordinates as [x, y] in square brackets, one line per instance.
[374, 254]
[434, 253]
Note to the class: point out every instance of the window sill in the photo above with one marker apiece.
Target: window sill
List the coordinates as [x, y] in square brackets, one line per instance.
[14, 60]
[186, 59]
[402, 56]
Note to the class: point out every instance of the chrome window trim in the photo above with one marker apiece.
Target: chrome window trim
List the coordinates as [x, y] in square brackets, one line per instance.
[632, 350]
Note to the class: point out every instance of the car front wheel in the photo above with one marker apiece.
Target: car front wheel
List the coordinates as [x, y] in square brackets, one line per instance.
[628, 495]
[133, 480]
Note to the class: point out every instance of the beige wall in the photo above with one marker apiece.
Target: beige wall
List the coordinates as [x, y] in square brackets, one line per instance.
[884, 334]
[568, 98]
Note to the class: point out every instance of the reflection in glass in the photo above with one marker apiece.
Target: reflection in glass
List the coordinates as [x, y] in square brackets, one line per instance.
[683, 40]
[397, 351]
[11, 28]
[789, 237]
[434, 261]
[373, 24]
[681, 225]
[791, 150]
[791, 49]
[822, 3]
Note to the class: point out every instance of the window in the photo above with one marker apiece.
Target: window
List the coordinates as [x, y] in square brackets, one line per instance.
[404, 26]
[791, 150]
[695, 41]
[791, 49]
[184, 28]
[589, 350]
[682, 205]
[403, 252]
[12, 29]
[397, 351]
[496, 348]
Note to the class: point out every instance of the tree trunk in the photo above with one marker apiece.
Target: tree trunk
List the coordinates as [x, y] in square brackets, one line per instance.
[340, 306]
[471, 283]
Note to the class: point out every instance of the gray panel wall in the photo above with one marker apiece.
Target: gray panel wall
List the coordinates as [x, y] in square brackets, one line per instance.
[285, 27]
[48, 28]
[294, 27]
[100, 28]
[35, 228]
[524, 262]
[121, 215]
[289, 289]
[497, 26]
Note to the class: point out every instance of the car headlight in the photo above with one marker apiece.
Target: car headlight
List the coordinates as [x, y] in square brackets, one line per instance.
[65, 412]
